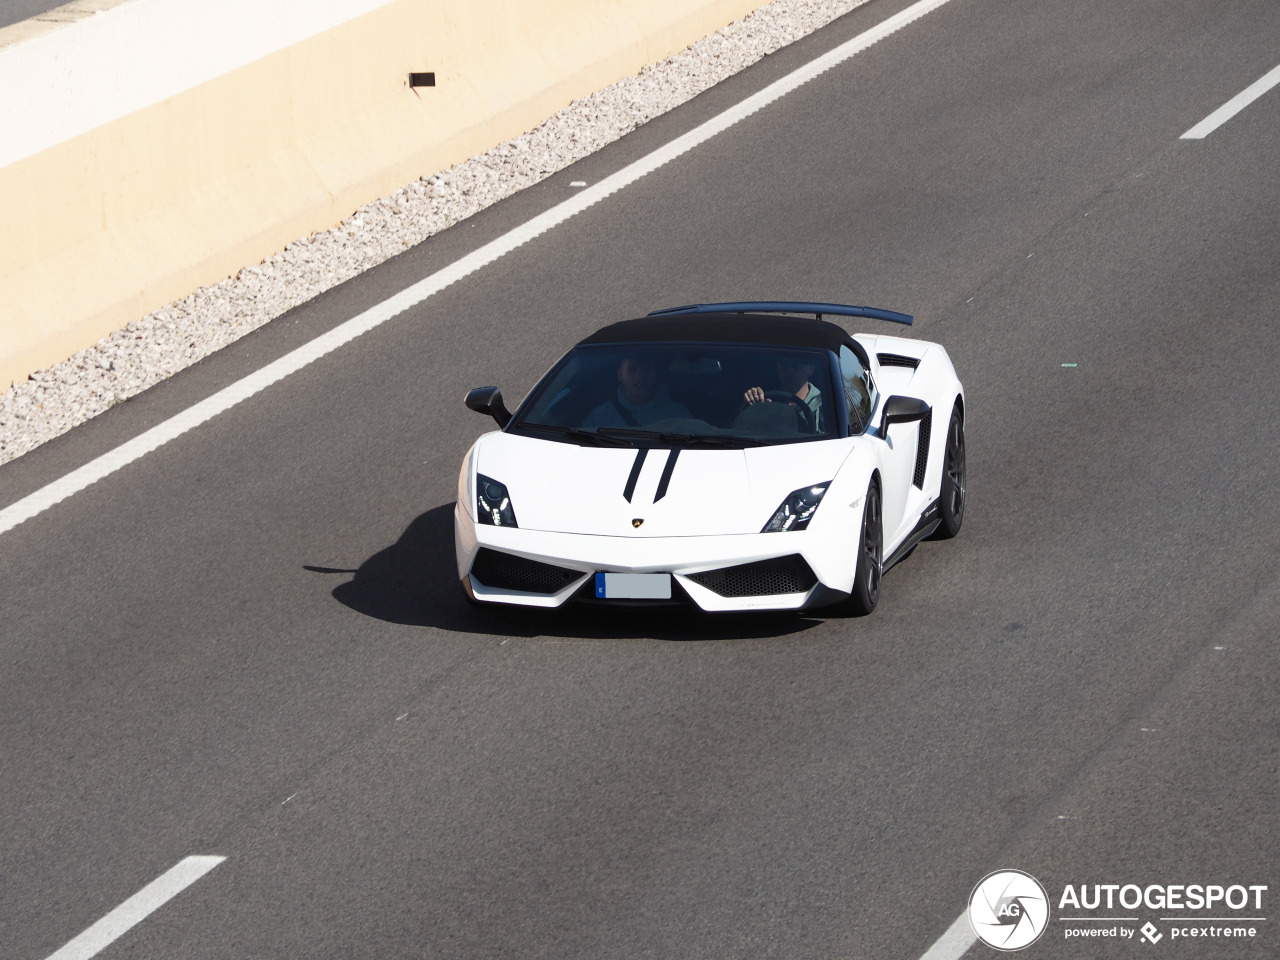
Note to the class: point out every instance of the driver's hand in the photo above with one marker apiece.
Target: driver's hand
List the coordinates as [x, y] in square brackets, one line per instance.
[755, 395]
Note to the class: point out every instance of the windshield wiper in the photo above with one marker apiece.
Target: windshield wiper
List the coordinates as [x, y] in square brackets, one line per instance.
[589, 437]
[711, 440]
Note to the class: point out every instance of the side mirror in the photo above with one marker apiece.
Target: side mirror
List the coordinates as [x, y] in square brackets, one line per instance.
[489, 400]
[902, 410]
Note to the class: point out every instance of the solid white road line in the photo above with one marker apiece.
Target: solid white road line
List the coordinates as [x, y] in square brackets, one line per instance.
[953, 944]
[225, 399]
[1233, 106]
[136, 909]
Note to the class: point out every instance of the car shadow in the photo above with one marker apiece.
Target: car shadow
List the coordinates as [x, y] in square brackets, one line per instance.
[415, 582]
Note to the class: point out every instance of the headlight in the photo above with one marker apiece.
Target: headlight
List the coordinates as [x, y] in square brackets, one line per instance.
[797, 510]
[493, 503]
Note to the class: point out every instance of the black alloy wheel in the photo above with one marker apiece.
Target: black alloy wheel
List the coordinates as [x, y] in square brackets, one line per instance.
[951, 505]
[866, 577]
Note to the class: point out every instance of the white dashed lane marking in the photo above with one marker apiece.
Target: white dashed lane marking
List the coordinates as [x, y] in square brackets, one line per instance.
[1233, 106]
[137, 908]
[953, 944]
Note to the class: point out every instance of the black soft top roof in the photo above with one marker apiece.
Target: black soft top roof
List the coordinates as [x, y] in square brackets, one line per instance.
[726, 328]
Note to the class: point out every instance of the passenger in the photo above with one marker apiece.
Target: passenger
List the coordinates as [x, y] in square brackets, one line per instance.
[793, 376]
[642, 398]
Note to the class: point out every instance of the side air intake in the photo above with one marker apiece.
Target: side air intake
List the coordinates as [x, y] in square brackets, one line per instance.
[922, 451]
[897, 360]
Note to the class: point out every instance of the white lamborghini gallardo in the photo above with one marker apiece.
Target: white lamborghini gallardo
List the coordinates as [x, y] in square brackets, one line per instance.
[726, 456]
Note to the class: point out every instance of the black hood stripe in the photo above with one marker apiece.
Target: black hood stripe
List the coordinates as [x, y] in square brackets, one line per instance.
[630, 488]
[666, 474]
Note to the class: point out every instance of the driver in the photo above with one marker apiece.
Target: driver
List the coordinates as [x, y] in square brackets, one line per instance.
[793, 376]
[641, 398]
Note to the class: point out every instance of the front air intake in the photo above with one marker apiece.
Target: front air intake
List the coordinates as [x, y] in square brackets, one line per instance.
[504, 571]
[764, 578]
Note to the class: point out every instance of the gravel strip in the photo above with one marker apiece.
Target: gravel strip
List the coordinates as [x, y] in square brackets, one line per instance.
[147, 351]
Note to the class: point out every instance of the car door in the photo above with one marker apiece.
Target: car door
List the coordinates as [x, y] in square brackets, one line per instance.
[899, 453]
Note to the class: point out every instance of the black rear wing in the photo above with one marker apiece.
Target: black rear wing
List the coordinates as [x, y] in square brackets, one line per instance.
[788, 306]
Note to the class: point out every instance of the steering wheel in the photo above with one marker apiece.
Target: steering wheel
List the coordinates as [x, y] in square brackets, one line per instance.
[784, 396]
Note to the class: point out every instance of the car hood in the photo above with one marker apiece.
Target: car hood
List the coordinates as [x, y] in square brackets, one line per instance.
[565, 488]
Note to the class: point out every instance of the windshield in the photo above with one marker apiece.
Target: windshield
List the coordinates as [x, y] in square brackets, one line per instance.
[683, 394]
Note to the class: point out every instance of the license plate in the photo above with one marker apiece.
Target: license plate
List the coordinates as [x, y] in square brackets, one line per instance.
[633, 586]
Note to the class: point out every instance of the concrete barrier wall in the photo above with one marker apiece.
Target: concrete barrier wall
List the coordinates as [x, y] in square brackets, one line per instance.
[160, 145]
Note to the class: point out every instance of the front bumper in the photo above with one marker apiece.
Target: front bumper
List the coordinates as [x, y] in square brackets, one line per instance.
[829, 558]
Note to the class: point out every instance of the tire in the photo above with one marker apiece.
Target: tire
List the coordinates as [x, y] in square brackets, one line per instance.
[951, 496]
[867, 574]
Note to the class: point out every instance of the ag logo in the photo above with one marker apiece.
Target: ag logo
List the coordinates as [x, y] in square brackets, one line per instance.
[1008, 910]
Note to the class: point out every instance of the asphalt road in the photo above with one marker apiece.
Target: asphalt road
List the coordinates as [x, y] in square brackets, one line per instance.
[15, 11]
[249, 643]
